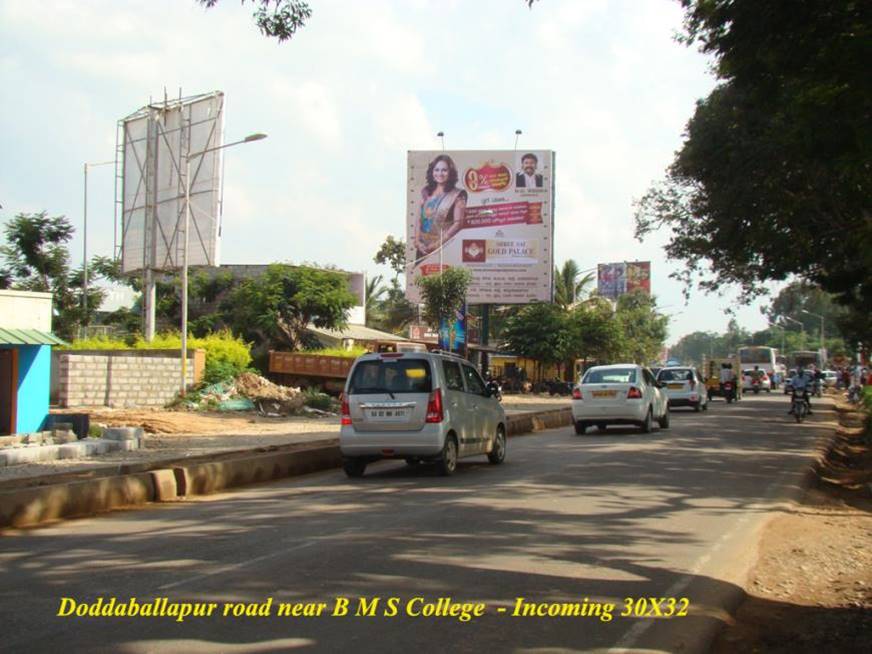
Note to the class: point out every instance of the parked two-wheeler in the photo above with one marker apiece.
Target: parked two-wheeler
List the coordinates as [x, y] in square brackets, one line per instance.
[495, 390]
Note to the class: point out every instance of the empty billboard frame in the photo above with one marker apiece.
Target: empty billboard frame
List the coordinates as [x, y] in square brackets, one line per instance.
[156, 140]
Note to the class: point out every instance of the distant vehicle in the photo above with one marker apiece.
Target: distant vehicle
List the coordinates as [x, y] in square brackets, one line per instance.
[764, 357]
[830, 378]
[684, 387]
[721, 379]
[621, 394]
[805, 359]
[763, 381]
[421, 407]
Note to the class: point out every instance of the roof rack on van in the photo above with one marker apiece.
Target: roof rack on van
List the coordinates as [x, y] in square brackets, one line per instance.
[448, 353]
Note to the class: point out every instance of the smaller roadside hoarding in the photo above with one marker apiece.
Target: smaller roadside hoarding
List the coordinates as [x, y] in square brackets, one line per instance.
[488, 211]
[615, 279]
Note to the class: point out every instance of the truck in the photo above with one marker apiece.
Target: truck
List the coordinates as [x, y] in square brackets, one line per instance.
[307, 369]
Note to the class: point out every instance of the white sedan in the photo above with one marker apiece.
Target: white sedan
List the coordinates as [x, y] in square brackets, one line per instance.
[620, 394]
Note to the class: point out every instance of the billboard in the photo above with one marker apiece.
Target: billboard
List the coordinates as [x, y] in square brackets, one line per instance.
[615, 279]
[155, 142]
[490, 211]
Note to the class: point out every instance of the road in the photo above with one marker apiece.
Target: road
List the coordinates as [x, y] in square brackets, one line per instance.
[582, 520]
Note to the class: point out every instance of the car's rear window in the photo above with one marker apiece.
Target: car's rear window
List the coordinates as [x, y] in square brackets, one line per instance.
[675, 375]
[391, 376]
[610, 376]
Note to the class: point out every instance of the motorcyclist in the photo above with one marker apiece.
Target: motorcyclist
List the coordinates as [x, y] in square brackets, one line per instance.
[801, 383]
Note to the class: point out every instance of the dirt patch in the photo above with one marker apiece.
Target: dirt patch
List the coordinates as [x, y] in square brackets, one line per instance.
[203, 423]
[811, 589]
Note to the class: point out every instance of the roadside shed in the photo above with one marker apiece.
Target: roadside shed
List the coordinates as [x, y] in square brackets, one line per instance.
[25, 360]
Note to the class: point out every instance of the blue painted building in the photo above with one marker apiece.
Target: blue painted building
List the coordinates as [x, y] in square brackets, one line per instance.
[25, 360]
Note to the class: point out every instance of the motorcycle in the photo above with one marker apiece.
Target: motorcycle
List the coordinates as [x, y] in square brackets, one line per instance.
[729, 391]
[799, 406]
[755, 386]
[558, 387]
[495, 390]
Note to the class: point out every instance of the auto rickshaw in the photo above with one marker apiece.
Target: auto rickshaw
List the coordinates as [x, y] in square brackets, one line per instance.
[722, 378]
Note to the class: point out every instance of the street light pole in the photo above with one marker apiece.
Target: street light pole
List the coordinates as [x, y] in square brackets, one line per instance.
[188, 157]
[85, 240]
[823, 348]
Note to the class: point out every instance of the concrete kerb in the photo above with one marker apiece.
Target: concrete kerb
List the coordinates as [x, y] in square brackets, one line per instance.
[26, 507]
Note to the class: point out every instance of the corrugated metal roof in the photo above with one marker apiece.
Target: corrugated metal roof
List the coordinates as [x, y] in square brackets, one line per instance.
[28, 337]
[359, 333]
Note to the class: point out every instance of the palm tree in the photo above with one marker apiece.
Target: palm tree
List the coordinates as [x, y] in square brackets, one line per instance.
[373, 293]
[568, 288]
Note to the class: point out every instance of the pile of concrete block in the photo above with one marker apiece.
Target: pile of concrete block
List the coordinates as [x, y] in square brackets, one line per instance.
[61, 443]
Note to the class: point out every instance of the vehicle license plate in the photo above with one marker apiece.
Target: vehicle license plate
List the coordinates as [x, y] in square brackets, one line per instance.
[387, 415]
[676, 387]
[603, 393]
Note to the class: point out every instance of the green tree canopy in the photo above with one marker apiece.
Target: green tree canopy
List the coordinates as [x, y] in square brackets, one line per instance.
[773, 178]
[594, 332]
[538, 331]
[35, 257]
[443, 295]
[569, 287]
[278, 19]
[279, 305]
[644, 330]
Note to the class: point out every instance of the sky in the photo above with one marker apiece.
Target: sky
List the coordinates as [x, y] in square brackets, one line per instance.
[603, 83]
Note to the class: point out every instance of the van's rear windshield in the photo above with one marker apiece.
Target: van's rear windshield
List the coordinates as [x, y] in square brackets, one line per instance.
[391, 376]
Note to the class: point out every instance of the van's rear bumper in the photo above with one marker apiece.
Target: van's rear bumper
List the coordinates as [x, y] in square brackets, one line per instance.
[428, 441]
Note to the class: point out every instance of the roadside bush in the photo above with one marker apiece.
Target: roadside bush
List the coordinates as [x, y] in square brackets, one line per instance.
[314, 398]
[97, 343]
[353, 353]
[226, 355]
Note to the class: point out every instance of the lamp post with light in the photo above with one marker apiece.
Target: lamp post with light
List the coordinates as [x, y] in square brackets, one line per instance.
[188, 157]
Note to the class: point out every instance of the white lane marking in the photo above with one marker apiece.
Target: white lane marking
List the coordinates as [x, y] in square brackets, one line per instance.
[242, 564]
[632, 636]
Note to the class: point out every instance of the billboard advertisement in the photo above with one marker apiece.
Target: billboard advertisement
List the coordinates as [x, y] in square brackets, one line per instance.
[155, 142]
[615, 279]
[490, 211]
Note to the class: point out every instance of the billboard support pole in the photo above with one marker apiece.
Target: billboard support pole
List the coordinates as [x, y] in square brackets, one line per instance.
[149, 294]
[483, 337]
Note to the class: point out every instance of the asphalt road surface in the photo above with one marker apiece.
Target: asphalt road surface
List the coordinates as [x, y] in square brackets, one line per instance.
[573, 524]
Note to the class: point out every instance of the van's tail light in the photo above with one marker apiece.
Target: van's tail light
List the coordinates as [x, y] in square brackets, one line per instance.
[434, 407]
[346, 412]
[576, 394]
[634, 393]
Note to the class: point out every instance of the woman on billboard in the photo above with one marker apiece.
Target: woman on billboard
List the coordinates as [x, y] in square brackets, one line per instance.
[443, 207]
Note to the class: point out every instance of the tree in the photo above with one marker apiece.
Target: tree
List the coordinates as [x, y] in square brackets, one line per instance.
[395, 312]
[443, 295]
[392, 252]
[278, 306]
[568, 288]
[772, 179]
[36, 258]
[594, 332]
[276, 18]
[800, 296]
[644, 329]
[538, 331]
[373, 293]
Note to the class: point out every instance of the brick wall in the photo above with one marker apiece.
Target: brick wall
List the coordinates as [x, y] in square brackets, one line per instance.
[123, 378]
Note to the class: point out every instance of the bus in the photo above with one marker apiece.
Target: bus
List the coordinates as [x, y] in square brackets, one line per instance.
[805, 358]
[765, 358]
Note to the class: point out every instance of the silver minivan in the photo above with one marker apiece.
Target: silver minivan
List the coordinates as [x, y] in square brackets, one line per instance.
[421, 407]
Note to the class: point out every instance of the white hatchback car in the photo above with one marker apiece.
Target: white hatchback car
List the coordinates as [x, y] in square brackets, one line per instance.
[684, 387]
[620, 394]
